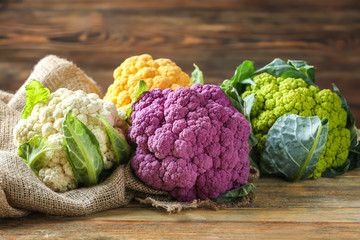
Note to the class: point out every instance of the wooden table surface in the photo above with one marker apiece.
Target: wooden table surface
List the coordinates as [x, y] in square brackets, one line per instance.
[319, 209]
[217, 36]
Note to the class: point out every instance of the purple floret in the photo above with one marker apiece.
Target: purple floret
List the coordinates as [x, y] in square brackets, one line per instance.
[191, 142]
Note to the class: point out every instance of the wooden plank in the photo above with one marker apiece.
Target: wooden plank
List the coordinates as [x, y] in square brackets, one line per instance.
[151, 225]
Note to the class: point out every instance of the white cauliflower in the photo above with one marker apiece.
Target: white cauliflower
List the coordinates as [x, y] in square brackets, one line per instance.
[46, 120]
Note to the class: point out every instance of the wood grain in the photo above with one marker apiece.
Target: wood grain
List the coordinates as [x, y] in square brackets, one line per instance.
[319, 209]
[217, 35]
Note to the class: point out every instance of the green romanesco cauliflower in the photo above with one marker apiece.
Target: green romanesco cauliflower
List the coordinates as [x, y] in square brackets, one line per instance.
[276, 97]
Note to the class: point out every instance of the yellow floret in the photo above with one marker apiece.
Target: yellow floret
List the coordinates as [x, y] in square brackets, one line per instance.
[160, 73]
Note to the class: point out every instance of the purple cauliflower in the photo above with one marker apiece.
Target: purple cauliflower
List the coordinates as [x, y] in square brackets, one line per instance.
[191, 142]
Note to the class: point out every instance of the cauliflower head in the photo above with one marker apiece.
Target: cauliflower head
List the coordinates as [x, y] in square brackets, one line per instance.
[160, 73]
[276, 97]
[191, 142]
[46, 120]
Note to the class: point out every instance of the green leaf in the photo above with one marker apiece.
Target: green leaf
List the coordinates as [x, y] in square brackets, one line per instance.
[350, 121]
[235, 98]
[35, 93]
[293, 146]
[353, 160]
[234, 194]
[248, 104]
[254, 158]
[142, 87]
[197, 76]
[121, 147]
[242, 77]
[83, 151]
[290, 69]
[244, 107]
[37, 152]
[354, 157]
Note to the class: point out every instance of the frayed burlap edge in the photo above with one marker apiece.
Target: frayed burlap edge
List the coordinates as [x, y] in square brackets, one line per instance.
[175, 207]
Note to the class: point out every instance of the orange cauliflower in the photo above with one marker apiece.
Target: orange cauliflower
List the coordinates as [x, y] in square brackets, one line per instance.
[160, 73]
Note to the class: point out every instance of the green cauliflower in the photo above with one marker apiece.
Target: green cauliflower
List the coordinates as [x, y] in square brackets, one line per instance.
[298, 131]
[276, 97]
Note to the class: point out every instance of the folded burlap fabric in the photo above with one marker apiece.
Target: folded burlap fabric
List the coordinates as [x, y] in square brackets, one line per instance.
[21, 192]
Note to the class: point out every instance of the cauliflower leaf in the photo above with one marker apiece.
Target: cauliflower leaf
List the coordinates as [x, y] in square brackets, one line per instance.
[35, 93]
[82, 151]
[197, 76]
[293, 146]
[236, 193]
[122, 149]
[142, 87]
[290, 69]
[37, 152]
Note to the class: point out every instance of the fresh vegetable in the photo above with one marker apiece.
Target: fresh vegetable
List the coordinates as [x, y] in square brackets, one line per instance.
[35, 93]
[82, 150]
[234, 194]
[284, 88]
[191, 142]
[197, 76]
[306, 134]
[141, 89]
[40, 137]
[37, 152]
[160, 73]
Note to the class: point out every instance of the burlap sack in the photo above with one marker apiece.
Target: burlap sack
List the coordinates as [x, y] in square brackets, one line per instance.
[21, 192]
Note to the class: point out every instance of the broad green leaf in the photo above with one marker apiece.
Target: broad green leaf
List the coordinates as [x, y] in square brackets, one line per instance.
[234, 194]
[35, 93]
[121, 147]
[248, 104]
[83, 151]
[142, 87]
[242, 77]
[293, 146]
[292, 69]
[37, 152]
[197, 76]
[234, 97]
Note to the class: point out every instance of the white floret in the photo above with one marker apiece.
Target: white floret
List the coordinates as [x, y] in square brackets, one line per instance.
[46, 120]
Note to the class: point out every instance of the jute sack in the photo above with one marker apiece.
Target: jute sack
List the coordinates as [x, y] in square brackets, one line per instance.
[21, 192]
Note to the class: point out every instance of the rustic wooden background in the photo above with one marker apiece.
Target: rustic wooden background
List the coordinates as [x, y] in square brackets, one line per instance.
[216, 35]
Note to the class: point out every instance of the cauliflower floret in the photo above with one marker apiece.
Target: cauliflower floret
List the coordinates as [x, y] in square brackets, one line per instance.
[276, 97]
[46, 120]
[159, 73]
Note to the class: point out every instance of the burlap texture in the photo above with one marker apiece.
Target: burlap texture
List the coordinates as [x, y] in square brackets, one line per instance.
[21, 192]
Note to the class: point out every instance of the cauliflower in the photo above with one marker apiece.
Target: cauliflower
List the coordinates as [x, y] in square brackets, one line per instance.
[191, 142]
[276, 97]
[46, 120]
[161, 73]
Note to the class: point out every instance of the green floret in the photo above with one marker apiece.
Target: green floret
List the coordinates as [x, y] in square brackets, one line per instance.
[276, 97]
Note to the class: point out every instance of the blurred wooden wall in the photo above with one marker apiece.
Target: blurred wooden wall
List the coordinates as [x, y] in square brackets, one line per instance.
[216, 35]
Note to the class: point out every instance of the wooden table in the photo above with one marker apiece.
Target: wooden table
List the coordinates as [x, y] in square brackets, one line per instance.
[217, 36]
[326, 208]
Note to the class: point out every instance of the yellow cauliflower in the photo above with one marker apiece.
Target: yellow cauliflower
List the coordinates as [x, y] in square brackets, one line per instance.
[160, 73]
